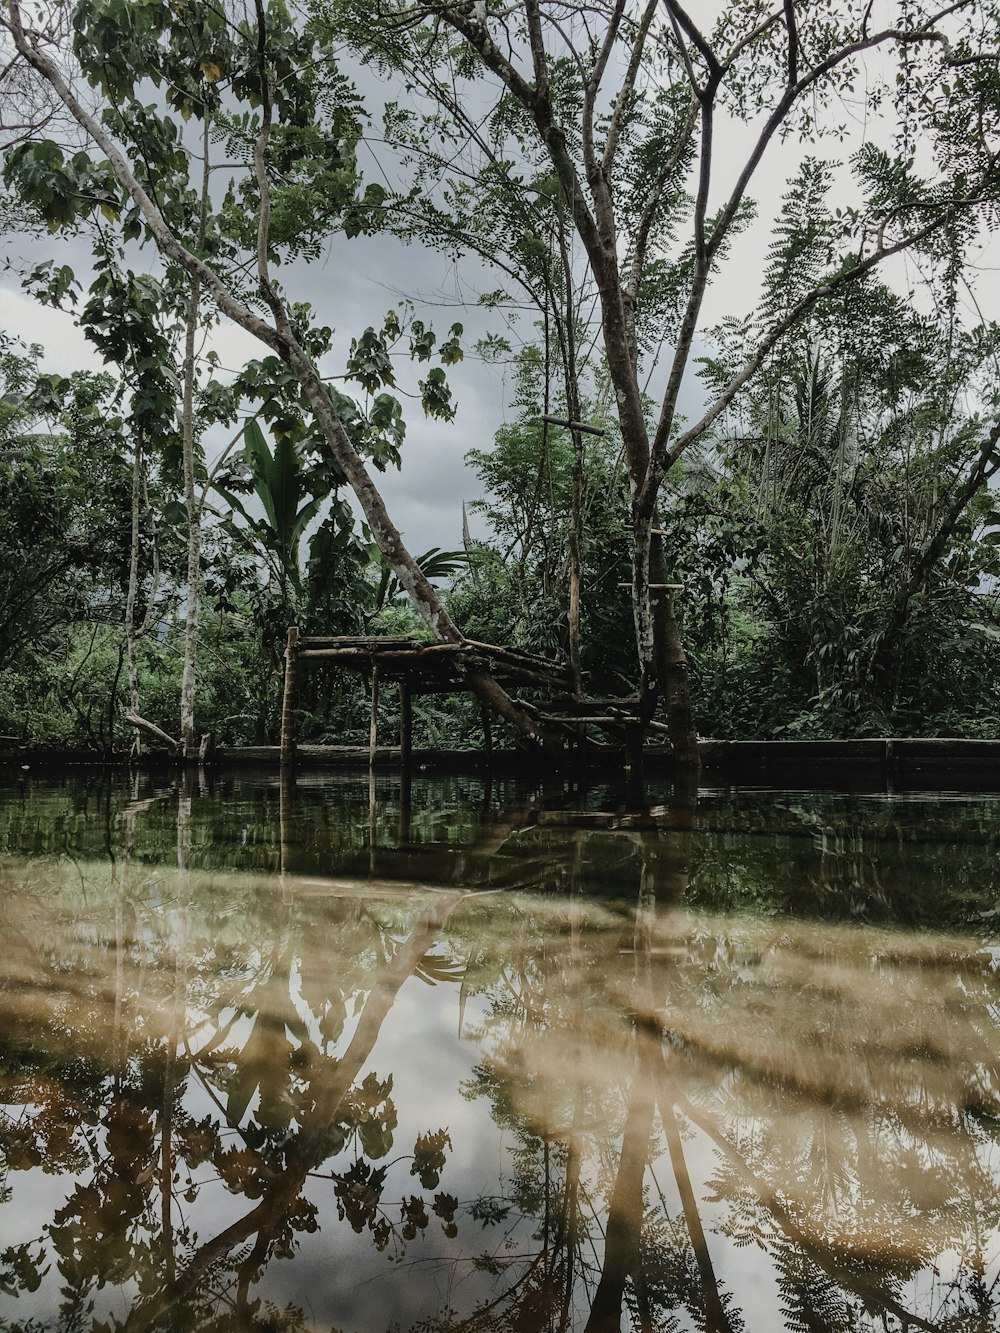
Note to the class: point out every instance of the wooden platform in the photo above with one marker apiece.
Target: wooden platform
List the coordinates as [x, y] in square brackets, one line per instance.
[429, 667]
[423, 666]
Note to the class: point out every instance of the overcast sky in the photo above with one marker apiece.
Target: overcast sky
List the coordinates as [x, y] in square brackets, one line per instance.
[352, 287]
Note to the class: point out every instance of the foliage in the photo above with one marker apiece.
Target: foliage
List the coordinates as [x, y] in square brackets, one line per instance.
[842, 542]
[516, 588]
[598, 161]
[830, 514]
[280, 484]
[63, 542]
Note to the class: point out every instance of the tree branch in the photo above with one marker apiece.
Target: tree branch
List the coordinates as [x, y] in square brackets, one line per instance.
[793, 43]
[151, 729]
[640, 242]
[753, 364]
[791, 95]
[701, 43]
[540, 110]
[748, 40]
[627, 86]
[537, 43]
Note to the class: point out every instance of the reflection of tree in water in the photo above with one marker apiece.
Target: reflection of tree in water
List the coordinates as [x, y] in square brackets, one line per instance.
[624, 1048]
[903, 862]
[252, 1022]
[854, 1132]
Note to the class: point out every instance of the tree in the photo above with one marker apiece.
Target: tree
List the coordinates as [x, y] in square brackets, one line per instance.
[628, 108]
[63, 550]
[541, 482]
[852, 479]
[291, 136]
[146, 326]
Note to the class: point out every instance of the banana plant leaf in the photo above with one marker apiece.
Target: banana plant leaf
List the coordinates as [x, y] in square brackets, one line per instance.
[290, 503]
[435, 563]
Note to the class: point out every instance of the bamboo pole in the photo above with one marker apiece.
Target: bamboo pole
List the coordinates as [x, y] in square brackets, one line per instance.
[515, 654]
[573, 425]
[366, 641]
[360, 653]
[288, 698]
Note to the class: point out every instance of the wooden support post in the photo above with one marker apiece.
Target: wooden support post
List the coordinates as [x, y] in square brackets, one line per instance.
[286, 803]
[405, 726]
[288, 698]
[373, 728]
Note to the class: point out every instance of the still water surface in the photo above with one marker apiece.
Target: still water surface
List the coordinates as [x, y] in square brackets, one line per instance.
[496, 1060]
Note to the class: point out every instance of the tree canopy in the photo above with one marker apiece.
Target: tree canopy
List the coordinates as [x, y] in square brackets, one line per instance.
[806, 448]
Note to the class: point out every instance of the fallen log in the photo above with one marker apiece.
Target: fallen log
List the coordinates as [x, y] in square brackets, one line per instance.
[151, 729]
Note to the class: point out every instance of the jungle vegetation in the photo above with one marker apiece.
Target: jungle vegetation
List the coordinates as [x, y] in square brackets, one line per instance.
[825, 507]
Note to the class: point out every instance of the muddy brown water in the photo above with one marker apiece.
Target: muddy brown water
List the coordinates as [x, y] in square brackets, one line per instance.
[496, 1059]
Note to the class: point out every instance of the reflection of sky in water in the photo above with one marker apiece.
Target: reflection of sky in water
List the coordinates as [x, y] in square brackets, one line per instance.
[811, 982]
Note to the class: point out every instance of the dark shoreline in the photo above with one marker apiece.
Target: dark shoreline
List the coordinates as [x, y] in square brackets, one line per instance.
[889, 762]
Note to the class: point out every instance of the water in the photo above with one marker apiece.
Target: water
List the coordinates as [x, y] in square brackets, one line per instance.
[494, 1060]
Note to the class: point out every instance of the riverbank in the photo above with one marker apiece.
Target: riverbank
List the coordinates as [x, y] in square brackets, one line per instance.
[933, 761]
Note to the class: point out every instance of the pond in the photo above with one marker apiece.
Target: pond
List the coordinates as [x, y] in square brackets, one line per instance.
[492, 1058]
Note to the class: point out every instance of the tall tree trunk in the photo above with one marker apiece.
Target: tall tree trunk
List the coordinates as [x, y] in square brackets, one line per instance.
[566, 328]
[131, 632]
[642, 614]
[191, 504]
[671, 664]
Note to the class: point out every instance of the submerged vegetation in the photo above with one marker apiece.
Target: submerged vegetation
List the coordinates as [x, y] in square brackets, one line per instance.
[767, 510]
